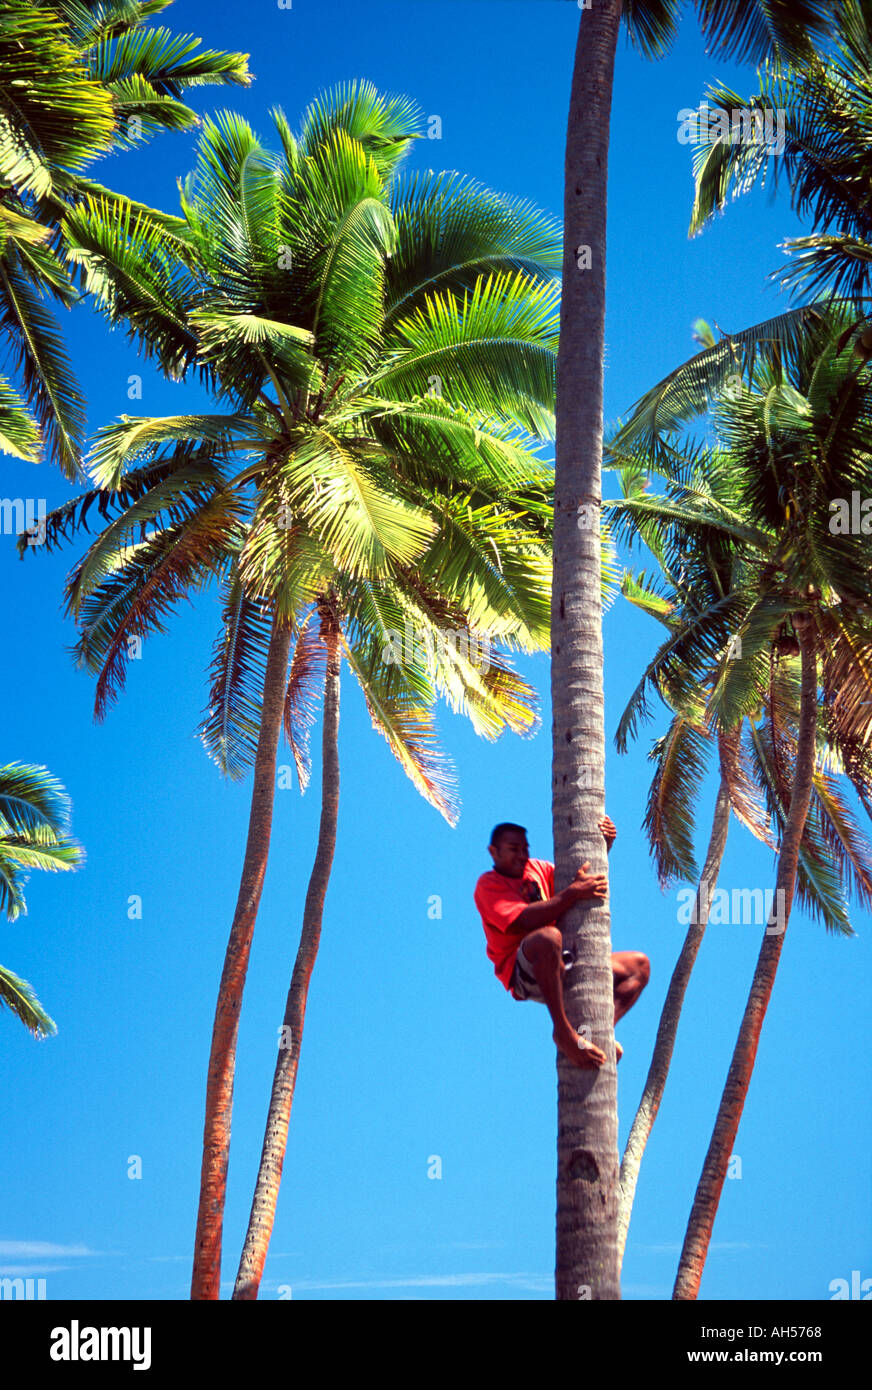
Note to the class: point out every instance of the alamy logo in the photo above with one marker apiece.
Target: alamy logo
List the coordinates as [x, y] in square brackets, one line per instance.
[743, 906]
[102, 1344]
[22, 1288]
[839, 1288]
[742, 125]
[421, 647]
[19, 514]
[852, 518]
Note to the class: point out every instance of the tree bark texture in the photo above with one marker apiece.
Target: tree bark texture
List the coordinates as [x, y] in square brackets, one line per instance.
[206, 1278]
[587, 1141]
[266, 1192]
[708, 1192]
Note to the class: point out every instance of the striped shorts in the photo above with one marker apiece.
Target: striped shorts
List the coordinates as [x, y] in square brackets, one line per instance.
[523, 983]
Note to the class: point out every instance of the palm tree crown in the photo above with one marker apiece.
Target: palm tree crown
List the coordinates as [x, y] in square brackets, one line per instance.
[387, 347]
[78, 78]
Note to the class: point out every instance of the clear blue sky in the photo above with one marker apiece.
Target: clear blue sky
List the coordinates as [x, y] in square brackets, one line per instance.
[412, 1048]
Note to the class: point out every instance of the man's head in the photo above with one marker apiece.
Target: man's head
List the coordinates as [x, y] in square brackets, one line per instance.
[509, 849]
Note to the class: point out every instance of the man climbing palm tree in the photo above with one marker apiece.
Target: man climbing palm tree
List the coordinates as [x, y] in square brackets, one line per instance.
[520, 910]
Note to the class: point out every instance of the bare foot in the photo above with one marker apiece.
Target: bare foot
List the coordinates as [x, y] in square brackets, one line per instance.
[581, 1053]
[619, 1051]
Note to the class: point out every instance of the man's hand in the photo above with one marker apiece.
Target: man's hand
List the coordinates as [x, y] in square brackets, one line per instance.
[610, 833]
[586, 885]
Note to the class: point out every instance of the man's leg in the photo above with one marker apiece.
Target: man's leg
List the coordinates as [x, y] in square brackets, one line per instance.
[542, 948]
[631, 972]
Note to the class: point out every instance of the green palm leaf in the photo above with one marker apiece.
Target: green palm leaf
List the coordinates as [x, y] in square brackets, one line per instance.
[19, 434]
[142, 584]
[128, 263]
[50, 388]
[382, 125]
[171, 63]
[451, 231]
[409, 730]
[494, 349]
[32, 801]
[230, 728]
[305, 682]
[680, 757]
[52, 114]
[19, 997]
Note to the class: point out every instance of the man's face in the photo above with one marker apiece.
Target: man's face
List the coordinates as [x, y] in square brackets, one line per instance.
[511, 854]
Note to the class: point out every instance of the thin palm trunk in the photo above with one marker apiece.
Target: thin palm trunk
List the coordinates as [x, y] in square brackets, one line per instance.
[587, 1143]
[266, 1192]
[708, 1192]
[661, 1059]
[206, 1279]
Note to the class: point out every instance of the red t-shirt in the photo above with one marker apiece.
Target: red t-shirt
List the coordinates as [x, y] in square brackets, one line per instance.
[500, 900]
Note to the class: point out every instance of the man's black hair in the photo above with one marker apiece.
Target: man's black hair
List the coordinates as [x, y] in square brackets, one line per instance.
[504, 828]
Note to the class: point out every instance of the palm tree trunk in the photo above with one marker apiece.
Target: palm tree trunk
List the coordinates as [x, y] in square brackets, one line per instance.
[206, 1279]
[587, 1143]
[655, 1081]
[266, 1192]
[711, 1182]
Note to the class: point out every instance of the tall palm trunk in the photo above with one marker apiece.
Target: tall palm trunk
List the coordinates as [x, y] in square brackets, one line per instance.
[655, 1081]
[206, 1278]
[587, 1144]
[266, 1192]
[708, 1192]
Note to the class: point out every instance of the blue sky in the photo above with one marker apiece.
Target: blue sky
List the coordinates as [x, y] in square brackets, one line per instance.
[412, 1048]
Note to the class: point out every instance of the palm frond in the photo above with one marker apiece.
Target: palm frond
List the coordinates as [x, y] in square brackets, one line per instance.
[493, 349]
[36, 346]
[19, 433]
[32, 800]
[689, 390]
[680, 757]
[145, 581]
[231, 725]
[451, 231]
[19, 997]
[132, 268]
[409, 730]
[305, 684]
[383, 126]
